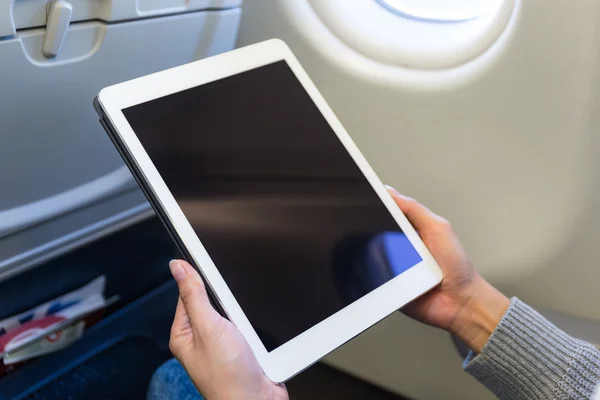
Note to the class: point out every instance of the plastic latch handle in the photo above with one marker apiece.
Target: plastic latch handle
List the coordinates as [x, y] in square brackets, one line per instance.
[58, 14]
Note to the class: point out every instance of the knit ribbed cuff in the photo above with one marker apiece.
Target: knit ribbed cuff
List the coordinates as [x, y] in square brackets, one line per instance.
[527, 357]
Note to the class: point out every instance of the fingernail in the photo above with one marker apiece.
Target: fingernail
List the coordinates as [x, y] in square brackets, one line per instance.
[392, 189]
[177, 270]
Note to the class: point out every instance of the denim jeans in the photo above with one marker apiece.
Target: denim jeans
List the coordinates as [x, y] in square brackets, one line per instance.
[171, 382]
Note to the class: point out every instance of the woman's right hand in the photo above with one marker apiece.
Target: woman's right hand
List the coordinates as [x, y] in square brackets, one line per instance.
[464, 303]
[211, 349]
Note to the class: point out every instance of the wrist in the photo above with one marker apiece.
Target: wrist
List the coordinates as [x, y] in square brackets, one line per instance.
[480, 315]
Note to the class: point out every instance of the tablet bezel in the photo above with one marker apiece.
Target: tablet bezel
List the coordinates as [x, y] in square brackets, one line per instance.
[307, 348]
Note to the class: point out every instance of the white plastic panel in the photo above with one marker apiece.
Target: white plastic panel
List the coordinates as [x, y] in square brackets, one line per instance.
[20, 14]
[51, 138]
[55, 155]
[43, 242]
[32, 213]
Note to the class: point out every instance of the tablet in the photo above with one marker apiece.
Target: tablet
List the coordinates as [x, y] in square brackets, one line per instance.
[298, 241]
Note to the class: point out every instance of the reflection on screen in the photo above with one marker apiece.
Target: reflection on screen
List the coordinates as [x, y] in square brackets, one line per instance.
[289, 220]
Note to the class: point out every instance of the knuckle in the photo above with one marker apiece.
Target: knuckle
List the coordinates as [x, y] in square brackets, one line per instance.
[411, 201]
[188, 291]
[174, 347]
[218, 332]
[411, 204]
[444, 223]
[173, 335]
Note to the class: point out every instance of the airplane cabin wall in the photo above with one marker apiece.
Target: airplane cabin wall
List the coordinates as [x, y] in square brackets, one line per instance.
[504, 146]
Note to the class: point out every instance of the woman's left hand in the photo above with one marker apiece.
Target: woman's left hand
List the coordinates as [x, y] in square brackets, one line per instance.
[211, 349]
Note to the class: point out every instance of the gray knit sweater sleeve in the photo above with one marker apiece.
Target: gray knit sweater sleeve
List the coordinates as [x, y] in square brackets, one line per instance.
[529, 358]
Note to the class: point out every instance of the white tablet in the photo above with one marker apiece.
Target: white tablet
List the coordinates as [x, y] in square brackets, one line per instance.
[299, 242]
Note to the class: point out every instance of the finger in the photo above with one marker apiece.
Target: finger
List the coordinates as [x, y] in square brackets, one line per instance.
[193, 295]
[182, 334]
[181, 322]
[419, 216]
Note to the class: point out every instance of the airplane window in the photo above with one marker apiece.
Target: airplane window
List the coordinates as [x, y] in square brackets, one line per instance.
[413, 35]
[441, 10]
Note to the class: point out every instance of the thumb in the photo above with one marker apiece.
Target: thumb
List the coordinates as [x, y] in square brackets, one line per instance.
[182, 335]
[199, 311]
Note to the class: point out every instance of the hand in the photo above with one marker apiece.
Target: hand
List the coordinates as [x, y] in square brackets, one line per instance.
[211, 349]
[464, 303]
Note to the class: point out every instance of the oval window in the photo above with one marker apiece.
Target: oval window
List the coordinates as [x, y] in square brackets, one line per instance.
[441, 10]
[417, 34]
